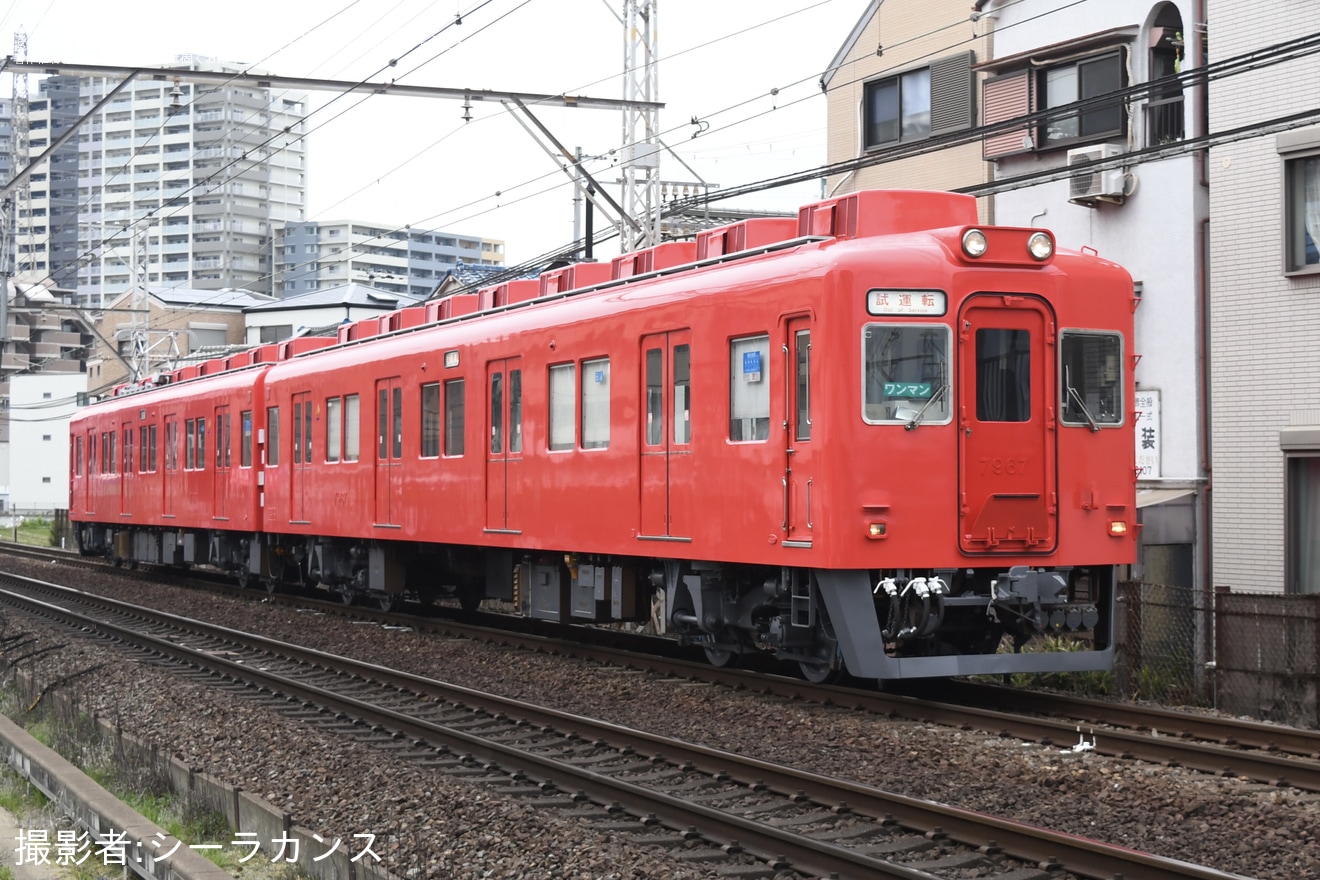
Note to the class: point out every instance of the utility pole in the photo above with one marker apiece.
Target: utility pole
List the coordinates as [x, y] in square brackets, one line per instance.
[641, 125]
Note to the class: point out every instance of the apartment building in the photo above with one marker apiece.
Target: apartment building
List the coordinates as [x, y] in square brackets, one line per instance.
[1265, 297]
[318, 255]
[46, 221]
[183, 184]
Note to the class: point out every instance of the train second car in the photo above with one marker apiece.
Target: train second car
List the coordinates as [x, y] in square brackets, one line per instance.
[878, 437]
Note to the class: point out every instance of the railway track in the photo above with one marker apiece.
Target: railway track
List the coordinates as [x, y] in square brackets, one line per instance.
[1267, 753]
[759, 817]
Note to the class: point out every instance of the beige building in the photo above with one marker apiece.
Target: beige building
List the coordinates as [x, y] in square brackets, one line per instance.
[148, 333]
[902, 99]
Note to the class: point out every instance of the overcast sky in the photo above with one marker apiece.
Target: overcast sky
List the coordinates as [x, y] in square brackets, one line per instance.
[414, 161]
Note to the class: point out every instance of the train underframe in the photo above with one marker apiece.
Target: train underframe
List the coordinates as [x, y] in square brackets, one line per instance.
[873, 624]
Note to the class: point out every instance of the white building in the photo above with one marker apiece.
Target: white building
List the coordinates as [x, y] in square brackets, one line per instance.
[1148, 213]
[40, 407]
[1265, 298]
[183, 184]
[330, 253]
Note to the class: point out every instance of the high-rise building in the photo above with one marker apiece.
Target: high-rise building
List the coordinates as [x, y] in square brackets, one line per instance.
[46, 221]
[182, 184]
[314, 255]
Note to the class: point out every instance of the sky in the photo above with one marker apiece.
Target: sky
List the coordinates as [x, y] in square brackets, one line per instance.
[749, 71]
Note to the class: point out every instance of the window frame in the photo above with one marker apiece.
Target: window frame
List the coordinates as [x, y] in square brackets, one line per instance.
[899, 82]
[455, 418]
[432, 425]
[334, 429]
[1043, 142]
[558, 418]
[738, 349]
[932, 415]
[1067, 333]
[1296, 149]
[595, 408]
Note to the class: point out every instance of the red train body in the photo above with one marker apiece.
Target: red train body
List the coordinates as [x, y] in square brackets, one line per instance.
[881, 437]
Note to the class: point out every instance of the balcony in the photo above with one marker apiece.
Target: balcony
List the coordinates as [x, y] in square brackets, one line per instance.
[1164, 121]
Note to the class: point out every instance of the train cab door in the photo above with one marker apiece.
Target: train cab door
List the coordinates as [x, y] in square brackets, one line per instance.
[666, 470]
[798, 478]
[220, 487]
[504, 441]
[126, 471]
[170, 483]
[1008, 493]
[301, 470]
[389, 451]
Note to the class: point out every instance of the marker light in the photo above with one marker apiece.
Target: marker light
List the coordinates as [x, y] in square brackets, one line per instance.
[974, 243]
[1117, 528]
[876, 531]
[1040, 246]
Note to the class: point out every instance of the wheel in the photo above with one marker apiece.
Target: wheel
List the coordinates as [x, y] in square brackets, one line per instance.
[389, 602]
[721, 656]
[818, 672]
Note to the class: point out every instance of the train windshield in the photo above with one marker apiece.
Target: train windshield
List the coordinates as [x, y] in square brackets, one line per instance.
[905, 374]
[1092, 383]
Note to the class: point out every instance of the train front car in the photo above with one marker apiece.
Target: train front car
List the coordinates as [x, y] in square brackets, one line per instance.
[968, 393]
[984, 489]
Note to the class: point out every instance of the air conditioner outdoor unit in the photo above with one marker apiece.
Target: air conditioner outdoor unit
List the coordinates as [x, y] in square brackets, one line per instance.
[1089, 186]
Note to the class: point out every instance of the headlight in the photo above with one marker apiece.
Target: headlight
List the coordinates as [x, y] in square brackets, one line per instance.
[974, 243]
[1040, 246]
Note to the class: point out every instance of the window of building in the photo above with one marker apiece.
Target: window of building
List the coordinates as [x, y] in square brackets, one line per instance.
[1302, 213]
[454, 417]
[1302, 519]
[749, 388]
[272, 436]
[1083, 81]
[431, 420]
[562, 406]
[905, 370]
[596, 403]
[1094, 67]
[918, 103]
[1091, 387]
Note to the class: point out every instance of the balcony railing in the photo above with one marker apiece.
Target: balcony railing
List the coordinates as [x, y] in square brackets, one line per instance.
[1164, 121]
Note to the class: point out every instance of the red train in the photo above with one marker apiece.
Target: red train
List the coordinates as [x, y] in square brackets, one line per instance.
[878, 436]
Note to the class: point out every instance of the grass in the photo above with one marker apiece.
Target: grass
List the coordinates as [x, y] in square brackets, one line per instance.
[141, 784]
[35, 530]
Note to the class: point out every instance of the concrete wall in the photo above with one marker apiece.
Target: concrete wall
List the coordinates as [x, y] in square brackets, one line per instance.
[40, 407]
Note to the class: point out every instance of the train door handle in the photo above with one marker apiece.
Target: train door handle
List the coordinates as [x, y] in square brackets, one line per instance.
[784, 480]
[809, 482]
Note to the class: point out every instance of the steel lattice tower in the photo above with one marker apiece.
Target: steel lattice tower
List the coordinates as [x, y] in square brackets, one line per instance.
[641, 126]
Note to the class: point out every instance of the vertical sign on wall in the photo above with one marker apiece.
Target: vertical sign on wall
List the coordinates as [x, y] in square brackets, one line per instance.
[1148, 434]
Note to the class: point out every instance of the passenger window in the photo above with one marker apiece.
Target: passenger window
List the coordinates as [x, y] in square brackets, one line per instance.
[905, 374]
[655, 397]
[128, 450]
[190, 445]
[397, 450]
[454, 417]
[1092, 388]
[142, 449]
[297, 432]
[201, 444]
[749, 389]
[596, 403]
[1003, 375]
[352, 427]
[272, 435]
[334, 440]
[497, 412]
[682, 394]
[562, 406]
[431, 420]
[515, 410]
[245, 446]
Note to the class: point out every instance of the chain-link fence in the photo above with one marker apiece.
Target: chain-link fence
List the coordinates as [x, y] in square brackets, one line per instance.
[1252, 654]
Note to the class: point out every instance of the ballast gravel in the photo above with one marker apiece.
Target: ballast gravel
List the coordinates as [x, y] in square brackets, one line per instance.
[429, 825]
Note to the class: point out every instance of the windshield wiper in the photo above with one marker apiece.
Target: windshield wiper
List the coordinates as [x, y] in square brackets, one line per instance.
[916, 420]
[1072, 392]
